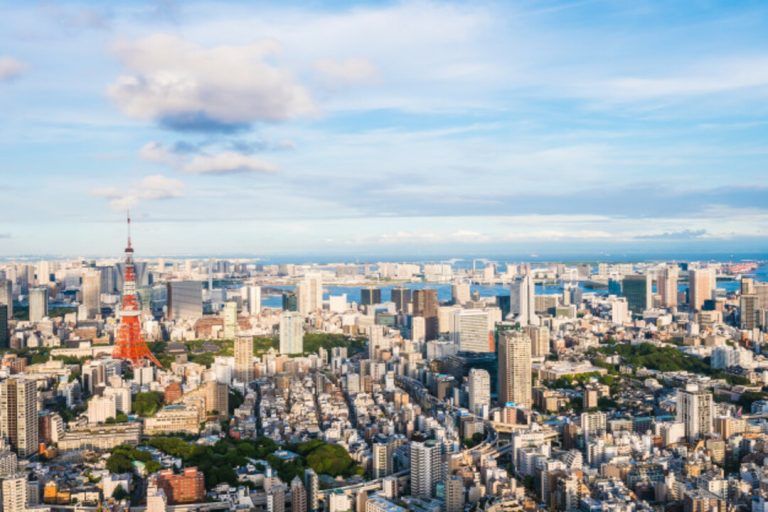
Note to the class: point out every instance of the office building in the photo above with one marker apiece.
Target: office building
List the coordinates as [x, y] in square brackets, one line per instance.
[6, 296]
[253, 299]
[370, 295]
[15, 491]
[230, 320]
[539, 335]
[523, 301]
[638, 290]
[243, 359]
[701, 286]
[695, 409]
[620, 311]
[401, 297]
[185, 300]
[291, 333]
[748, 316]
[310, 294]
[515, 384]
[425, 305]
[18, 414]
[426, 468]
[460, 293]
[90, 290]
[38, 303]
[470, 330]
[5, 331]
[290, 301]
[479, 391]
[666, 285]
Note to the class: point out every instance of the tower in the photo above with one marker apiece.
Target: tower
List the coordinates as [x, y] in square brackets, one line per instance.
[523, 300]
[130, 343]
[426, 468]
[244, 359]
[18, 414]
[515, 368]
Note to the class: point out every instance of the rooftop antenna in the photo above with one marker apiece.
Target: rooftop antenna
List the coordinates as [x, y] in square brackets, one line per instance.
[129, 228]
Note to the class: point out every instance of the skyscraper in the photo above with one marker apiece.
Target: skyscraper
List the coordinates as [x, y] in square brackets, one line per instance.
[695, 408]
[523, 300]
[460, 292]
[425, 305]
[401, 297]
[90, 290]
[666, 285]
[230, 319]
[184, 300]
[298, 495]
[5, 335]
[38, 303]
[291, 332]
[312, 485]
[14, 491]
[701, 285]
[370, 295]
[747, 307]
[515, 383]
[253, 298]
[426, 468]
[470, 330]
[539, 335]
[18, 414]
[6, 296]
[638, 290]
[310, 294]
[479, 390]
[244, 359]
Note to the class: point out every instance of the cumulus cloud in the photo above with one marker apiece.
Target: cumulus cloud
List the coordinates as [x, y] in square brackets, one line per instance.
[10, 68]
[150, 188]
[223, 162]
[183, 86]
[351, 71]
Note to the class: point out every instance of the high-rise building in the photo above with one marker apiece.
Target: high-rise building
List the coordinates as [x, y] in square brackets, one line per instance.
[666, 285]
[15, 491]
[426, 468]
[312, 485]
[460, 292]
[38, 303]
[470, 330]
[701, 286]
[253, 298]
[310, 294]
[290, 301]
[370, 295]
[515, 384]
[523, 300]
[18, 414]
[620, 311]
[425, 305]
[230, 319]
[381, 463]
[185, 300]
[298, 495]
[539, 335]
[747, 307]
[695, 409]
[454, 494]
[90, 290]
[6, 296]
[291, 332]
[244, 359]
[479, 391]
[401, 297]
[638, 290]
[5, 334]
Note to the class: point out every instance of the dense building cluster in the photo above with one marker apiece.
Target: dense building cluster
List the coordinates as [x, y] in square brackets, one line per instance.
[610, 387]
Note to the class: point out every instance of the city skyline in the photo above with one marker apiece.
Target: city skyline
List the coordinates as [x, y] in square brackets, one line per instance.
[554, 127]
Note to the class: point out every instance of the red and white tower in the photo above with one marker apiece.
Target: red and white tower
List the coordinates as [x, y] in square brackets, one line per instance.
[130, 343]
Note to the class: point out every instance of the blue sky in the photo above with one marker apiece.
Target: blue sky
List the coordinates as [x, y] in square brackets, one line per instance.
[384, 127]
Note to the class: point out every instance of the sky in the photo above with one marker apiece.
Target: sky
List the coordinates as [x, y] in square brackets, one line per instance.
[375, 128]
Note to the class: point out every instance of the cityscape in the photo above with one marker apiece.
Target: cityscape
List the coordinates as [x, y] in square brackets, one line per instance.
[383, 256]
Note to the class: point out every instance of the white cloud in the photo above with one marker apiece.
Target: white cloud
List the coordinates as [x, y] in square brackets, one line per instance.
[150, 188]
[224, 162]
[185, 86]
[10, 68]
[351, 71]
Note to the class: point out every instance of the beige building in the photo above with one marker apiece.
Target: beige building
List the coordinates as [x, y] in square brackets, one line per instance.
[174, 418]
[515, 384]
